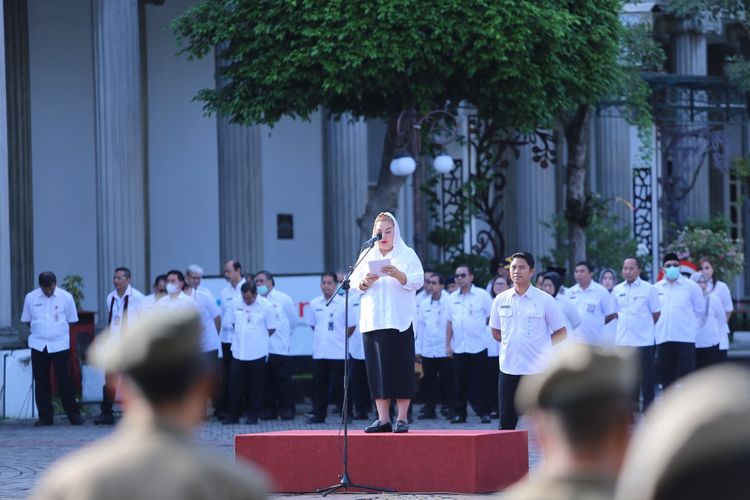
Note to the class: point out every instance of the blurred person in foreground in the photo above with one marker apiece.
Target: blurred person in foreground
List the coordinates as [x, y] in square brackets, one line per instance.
[695, 442]
[165, 381]
[581, 406]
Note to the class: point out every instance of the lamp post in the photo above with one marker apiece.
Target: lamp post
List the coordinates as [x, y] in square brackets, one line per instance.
[442, 130]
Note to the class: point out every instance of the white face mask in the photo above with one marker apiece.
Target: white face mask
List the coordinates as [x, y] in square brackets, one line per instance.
[172, 288]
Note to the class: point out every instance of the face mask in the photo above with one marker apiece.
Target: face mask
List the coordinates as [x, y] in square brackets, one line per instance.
[341, 291]
[672, 273]
[171, 288]
[263, 289]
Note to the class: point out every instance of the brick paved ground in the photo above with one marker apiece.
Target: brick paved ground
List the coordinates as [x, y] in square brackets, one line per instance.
[26, 451]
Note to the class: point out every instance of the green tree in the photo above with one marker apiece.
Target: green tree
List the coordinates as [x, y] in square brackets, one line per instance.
[520, 63]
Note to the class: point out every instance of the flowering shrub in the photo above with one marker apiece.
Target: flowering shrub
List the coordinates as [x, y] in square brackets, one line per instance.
[725, 254]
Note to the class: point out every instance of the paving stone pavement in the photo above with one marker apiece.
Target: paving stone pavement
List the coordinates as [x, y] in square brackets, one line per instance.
[27, 451]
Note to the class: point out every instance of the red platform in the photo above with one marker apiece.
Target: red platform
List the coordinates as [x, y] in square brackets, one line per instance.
[419, 461]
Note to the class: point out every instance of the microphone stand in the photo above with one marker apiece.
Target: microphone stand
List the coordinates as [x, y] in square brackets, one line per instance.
[344, 481]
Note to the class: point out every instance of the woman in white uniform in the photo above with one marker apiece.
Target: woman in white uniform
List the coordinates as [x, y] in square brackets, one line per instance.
[608, 279]
[721, 290]
[552, 284]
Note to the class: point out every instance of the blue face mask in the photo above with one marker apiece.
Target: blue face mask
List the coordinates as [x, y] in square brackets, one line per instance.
[341, 291]
[672, 273]
[263, 290]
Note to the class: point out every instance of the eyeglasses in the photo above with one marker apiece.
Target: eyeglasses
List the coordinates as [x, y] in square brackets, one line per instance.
[462, 275]
[432, 282]
[671, 265]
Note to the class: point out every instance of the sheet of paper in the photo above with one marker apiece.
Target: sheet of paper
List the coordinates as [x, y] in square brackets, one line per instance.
[376, 266]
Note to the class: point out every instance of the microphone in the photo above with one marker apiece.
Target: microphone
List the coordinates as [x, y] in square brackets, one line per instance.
[371, 242]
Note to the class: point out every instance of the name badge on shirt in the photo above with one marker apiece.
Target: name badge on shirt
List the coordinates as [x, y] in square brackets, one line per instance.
[505, 306]
[591, 308]
[622, 295]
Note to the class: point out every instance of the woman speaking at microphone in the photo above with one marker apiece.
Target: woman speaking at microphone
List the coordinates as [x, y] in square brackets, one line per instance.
[387, 313]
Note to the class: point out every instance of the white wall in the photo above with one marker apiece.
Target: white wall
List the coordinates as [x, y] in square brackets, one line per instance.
[183, 158]
[292, 155]
[62, 140]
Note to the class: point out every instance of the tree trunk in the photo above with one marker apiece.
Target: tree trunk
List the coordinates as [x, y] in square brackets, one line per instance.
[385, 196]
[577, 203]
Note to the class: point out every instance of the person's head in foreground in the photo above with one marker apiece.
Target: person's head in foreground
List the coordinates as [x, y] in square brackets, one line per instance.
[582, 408]
[695, 442]
[165, 384]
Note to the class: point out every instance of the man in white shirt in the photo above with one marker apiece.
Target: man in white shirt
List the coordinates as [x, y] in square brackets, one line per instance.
[229, 296]
[437, 367]
[594, 304]
[682, 305]
[123, 304]
[278, 400]
[253, 322]
[465, 340]
[527, 322]
[330, 330]
[210, 312]
[423, 293]
[638, 307]
[49, 310]
[159, 290]
[176, 297]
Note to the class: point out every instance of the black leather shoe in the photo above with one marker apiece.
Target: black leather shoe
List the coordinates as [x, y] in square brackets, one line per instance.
[287, 415]
[315, 420]
[105, 419]
[376, 426]
[485, 419]
[401, 427]
[251, 420]
[75, 420]
[457, 419]
[230, 420]
[43, 422]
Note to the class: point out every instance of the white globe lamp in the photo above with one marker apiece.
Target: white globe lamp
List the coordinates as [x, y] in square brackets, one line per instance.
[403, 165]
[443, 163]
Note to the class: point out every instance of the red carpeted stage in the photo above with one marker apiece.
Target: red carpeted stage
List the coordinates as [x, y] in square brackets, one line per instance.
[419, 461]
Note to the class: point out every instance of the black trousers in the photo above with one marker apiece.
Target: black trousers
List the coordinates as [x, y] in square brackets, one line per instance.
[470, 371]
[221, 405]
[246, 383]
[674, 360]
[437, 383]
[328, 380]
[508, 385]
[108, 393]
[647, 376]
[278, 398]
[40, 369]
[707, 356]
[359, 390]
[491, 386]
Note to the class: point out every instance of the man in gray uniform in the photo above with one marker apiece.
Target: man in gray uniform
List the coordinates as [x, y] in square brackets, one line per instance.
[165, 383]
[582, 408]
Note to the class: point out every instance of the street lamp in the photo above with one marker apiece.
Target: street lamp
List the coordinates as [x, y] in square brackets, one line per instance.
[403, 165]
[443, 163]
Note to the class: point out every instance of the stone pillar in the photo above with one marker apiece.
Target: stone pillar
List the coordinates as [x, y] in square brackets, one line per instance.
[344, 189]
[611, 162]
[20, 192]
[690, 56]
[120, 143]
[240, 194]
[5, 267]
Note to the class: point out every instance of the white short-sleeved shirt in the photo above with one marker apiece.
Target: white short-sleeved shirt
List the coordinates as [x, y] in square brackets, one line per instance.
[49, 319]
[209, 311]
[570, 314]
[116, 305]
[356, 342]
[682, 305]
[468, 313]
[593, 303]
[329, 329]
[711, 326]
[635, 304]
[228, 297]
[493, 346]
[286, 319]
[432, 317]
[526, 323]
[149, 302]
[725, 298]
[250, 340]
[179, 301]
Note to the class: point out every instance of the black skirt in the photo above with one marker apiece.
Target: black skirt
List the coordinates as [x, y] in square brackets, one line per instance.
[389, 358]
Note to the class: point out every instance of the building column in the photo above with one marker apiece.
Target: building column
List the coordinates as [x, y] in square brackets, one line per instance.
[344, 189]
[611, 169]
[240, 194]
[5, 267]
[20, 192]
[690, 55]
[121, 200]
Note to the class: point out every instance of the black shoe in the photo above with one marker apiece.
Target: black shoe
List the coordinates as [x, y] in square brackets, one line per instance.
[485, 419]
[251, 420]
[401, 427]
[457, 419]
[105, 419]
[75, 420]
[361, 416]
[427, 416]
[43, 422]
[287, 416]
[220, 415]
[445, 411]
[315, 420]
[230, 420]
[269, 416]
[376, 426]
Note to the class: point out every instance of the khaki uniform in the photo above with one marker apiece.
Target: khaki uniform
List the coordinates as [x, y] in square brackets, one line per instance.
[544, 486]
[145, 459]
